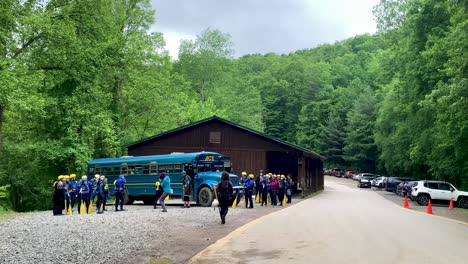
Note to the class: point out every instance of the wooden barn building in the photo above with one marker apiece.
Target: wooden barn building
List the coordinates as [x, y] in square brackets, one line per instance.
[246, 149]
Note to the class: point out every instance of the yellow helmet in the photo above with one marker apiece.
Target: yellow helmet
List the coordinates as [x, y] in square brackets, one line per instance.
[282, 176]
[66, 177]
[60, 177]
[251, 176]
[72, 176]
[84, 177]
[244, 173]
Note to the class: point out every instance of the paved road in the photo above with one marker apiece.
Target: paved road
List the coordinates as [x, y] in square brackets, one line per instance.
[343, 225]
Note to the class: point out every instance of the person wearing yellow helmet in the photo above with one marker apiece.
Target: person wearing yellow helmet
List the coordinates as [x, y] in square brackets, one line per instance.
[72, 190]
[67, 192]
[281, 187]
[59, 196]
[249, 185]
[273, 190]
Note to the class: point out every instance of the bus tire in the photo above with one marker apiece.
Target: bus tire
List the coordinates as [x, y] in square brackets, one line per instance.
[205, 197]
[127, 198]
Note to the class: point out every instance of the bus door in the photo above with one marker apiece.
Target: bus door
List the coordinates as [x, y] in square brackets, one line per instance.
[188, 168]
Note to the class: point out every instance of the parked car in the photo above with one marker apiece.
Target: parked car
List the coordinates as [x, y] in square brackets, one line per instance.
[349, 174]
[378, 182]
[337, 172]
[365, 180]
[404, 188]
[438, 191]
[392, 182]
[360, 175]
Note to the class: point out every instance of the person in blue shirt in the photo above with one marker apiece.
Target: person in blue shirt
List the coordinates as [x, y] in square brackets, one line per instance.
[78, 193]
[249, 185]
[166, 186]
[264, 184]
[101, 195]
[119, 192]
[72, 190]
[84, 192]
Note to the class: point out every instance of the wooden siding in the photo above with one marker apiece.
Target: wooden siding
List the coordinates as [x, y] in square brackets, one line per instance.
[246, 150]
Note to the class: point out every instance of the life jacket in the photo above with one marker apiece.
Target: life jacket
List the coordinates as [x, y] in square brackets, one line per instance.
[73, 186]
[83, 188]
[119, 186]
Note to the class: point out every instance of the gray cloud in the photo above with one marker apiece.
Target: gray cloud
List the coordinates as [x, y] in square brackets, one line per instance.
[264, 26]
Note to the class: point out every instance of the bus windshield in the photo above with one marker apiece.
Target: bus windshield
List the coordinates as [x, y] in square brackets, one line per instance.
[216, 167]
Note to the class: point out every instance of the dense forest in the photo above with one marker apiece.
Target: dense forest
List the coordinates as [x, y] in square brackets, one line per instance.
[80, 78]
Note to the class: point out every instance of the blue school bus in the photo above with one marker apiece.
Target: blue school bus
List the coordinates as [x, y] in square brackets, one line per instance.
[141, 173]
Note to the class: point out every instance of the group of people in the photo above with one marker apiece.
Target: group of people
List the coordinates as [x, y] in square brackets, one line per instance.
[269, 189]
[68, 192]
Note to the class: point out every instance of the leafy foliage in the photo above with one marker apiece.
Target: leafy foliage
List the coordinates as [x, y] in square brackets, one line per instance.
[80, 78]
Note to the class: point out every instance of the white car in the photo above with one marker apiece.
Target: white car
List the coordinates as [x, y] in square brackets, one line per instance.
[378, 182]
[439, 191]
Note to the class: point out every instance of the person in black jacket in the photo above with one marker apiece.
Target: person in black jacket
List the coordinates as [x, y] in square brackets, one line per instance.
[289, 188]
[224, 193]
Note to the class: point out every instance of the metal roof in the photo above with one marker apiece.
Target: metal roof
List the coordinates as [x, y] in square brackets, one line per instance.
[282, 142]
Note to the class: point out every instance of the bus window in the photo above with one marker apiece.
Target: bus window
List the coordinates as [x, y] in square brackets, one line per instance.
[169, 168]
[161, 168]
[106, 170]
[131, 170]
[97, 170]
[218, 167]
[203, 167]
[153, 169]
[177, 168]
[138, 170]
[124, 170]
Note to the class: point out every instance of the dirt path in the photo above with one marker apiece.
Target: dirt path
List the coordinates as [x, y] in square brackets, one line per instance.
[186, 239]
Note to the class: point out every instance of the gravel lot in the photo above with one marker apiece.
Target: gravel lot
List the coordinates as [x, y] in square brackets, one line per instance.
[134, 236]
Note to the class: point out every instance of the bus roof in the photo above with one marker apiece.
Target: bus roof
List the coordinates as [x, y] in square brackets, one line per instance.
[168, 158]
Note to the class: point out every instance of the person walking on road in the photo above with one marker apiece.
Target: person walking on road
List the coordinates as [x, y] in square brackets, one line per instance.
[166, 185]
[225, 190]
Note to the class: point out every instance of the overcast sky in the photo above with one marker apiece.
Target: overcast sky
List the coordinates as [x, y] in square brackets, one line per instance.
[262, 26]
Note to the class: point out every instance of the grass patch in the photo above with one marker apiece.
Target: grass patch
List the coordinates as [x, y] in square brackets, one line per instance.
[6, 214]
[159, 261]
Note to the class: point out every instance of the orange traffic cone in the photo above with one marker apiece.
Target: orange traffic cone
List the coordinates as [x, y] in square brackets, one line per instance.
[406, 204]
[451, 203]
[429, 207]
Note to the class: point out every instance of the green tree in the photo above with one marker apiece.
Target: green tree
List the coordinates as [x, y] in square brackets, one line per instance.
[332, 140]
[360, 149]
